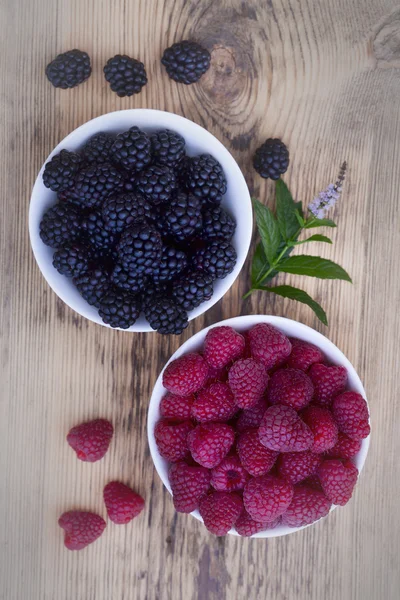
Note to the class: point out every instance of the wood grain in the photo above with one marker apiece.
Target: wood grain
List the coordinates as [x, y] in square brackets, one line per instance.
[325, 77]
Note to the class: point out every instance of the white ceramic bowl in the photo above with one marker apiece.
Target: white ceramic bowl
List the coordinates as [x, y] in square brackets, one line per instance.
[198, 140]
[290, 328]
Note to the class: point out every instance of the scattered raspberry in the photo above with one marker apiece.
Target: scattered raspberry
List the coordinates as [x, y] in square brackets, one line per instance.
[186, 375]
[290, 387]
[256, 458]
[269, 345]
[223, 345]
[91, 440]
[252, 417]
[172, 439]
[122, 503]
[210, 443]
[220, 511]
[176, 407]
[307, 506]
[248, 380]
[351, 414]
[282, 429]
[81, 528]
[188, 485]
[266, 498]
[229, 475]
[303, 355]
[217, 375]
[214, 403]
[324, 429]
[328, 382]
[247, 526]
[345, 447]
[338, 479]
[297, 466]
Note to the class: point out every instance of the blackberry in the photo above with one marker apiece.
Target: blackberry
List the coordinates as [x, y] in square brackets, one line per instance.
[217, 224]
[173, 262]
[120, 212]
[205, 178]
[131, 150]
[167, 147]
[119, 309]
[125, 75]
[130, 181]
[97, 149]
[218, 259]
[157, 183]
[165, 315]
[127, 280]
[98, 236]
[271, 159]
[94, 184]
[72, 260]
[93, 285]
[186, 61]
[193, 289]
[69, 69]
[60, 225]
[140, 249]
[182, 217]
[59, 173]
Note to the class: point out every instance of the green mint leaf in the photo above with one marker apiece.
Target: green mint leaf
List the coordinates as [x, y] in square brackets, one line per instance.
[287, 211]
[259, 266]
[319, 223]
[314, 238]
[287, 291]
[299, 218]
[268, 230]
[313, 266]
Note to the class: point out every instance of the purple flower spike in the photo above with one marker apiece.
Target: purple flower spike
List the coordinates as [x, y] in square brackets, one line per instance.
[328, 197]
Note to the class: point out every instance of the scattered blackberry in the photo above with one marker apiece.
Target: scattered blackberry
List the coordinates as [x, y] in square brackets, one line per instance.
[205, 178]
[173, 262]
[93, 285]
[127, 280]
[97, 149]
[72, 260]
[186, 61]
[59, 173]
[98, 236]
[69, 69]
[217, 224]
[165, 315]
[125, 75]
[60, 225]
[94, 184]
[193, 289]
[140, 249]
[131, 150]
[218, 259]
[182, 217]
[271, 159]
[168, 147]
[120, 212]
[157, 183]
[119, 309]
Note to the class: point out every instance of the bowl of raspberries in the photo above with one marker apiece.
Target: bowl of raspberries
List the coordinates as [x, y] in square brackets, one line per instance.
[140, 220]
[258, 426]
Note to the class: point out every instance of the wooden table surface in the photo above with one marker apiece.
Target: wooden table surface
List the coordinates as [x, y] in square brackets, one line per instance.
[325, 77]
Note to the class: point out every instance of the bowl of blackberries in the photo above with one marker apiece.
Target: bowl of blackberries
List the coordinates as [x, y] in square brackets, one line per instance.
[140, 220]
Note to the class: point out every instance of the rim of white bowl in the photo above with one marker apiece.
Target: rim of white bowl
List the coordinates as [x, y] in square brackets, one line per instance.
[42, 198]
[242, 323]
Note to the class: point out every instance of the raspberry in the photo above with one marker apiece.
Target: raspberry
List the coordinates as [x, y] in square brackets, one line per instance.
[266, 498]
[247, 526]
[290, 387]
[256, 458]
[186, 375]
[171, 439]
[220, 511]
[283, 430]
[345, 447]
[297, 466]
[122, 503]
[176, 407]
[269, 345]
[222, 346]
[81, 528]
[188, 485]
[91, 440]
[214, 403]
[307, 506]
[303, 355]
[210, 443]
[350, 411]
[229, 475]
[323, 427]
[328, 382]
[338, 479]
[252, 417]
[248, 380]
